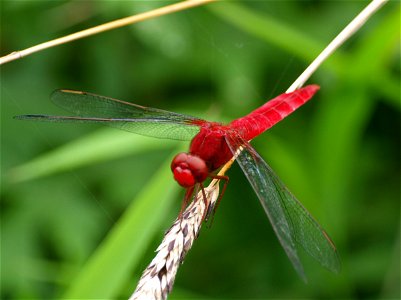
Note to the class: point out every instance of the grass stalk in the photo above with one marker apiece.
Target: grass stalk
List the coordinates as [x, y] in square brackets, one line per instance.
[104, 27]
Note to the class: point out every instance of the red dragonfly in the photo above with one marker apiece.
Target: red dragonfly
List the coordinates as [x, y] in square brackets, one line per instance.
[214, 144]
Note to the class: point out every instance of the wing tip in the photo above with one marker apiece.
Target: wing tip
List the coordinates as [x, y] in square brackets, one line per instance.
[336, 268]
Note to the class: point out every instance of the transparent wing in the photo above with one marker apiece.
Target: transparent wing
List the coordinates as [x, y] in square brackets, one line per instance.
[90, 108]
[292, 223]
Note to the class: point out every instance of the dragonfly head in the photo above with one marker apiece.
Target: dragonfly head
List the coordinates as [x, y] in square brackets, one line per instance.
[189, 169]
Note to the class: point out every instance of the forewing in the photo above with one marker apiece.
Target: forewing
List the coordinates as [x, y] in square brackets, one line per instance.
[292, 223]
[91, 108]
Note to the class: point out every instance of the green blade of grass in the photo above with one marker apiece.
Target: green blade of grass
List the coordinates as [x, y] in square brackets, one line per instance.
[339, 125]
[110, 266]
[382, 43]
[274, 32]
[99, 146]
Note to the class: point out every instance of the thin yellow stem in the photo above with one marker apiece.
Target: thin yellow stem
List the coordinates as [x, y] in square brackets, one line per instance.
[223, 170]
[343, 36]
[104, 27]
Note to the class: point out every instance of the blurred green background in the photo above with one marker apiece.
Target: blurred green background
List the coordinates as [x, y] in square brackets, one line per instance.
[83, 207]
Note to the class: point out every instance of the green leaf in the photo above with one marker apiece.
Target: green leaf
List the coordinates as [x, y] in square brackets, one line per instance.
[102, 145]
[382, 43]
[107, 270]
[273, 31]
[338, 128]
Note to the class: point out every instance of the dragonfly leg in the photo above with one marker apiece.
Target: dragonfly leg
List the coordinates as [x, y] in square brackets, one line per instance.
[186, 200]
[206, 212]
[212, 210]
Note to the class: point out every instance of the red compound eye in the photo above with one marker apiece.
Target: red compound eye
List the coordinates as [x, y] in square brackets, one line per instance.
[189, 169]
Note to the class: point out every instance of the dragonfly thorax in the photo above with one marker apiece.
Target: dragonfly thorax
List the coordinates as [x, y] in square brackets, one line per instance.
[189, 169]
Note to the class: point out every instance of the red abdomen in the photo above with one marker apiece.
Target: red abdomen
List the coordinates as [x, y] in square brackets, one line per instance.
[272, 112]
[210, 144]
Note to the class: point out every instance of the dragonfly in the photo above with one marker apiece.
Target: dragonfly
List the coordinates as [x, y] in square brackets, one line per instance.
[212, 145]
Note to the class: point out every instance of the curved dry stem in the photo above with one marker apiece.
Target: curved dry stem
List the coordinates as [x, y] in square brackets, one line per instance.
[104, 27]
[344, 35]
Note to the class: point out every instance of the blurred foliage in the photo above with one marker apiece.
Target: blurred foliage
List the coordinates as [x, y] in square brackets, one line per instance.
[83, 207]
